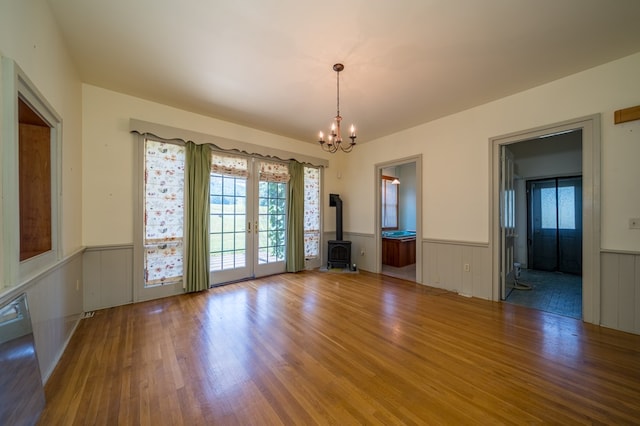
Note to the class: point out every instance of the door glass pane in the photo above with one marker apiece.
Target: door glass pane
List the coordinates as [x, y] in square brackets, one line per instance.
[566, 207]
[272, 222]
[548, 208]
[227, 221]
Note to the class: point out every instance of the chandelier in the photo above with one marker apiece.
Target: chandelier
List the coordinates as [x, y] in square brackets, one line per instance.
[334, 138]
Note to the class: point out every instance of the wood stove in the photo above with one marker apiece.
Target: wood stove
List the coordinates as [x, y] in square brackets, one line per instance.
[339, 250]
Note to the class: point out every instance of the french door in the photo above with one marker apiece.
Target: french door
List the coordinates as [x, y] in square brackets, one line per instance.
[248, 200]
[555, 225]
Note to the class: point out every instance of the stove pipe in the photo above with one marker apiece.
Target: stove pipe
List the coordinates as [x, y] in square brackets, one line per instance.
[335, 201]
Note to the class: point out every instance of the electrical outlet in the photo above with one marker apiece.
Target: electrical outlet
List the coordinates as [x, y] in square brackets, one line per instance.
[634, 223]
[467, 267]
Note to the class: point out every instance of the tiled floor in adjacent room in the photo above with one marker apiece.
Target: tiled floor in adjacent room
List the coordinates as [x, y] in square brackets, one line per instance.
[550, 292]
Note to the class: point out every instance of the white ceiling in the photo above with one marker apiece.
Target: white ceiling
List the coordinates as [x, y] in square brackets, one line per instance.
[268, 64]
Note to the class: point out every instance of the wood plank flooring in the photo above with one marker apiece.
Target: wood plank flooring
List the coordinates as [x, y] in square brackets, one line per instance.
[324, 348]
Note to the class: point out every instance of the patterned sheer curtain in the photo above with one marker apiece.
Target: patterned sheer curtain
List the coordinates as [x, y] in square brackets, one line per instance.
[164, 212]
[224, 164]
[274, 172]
[311, 212]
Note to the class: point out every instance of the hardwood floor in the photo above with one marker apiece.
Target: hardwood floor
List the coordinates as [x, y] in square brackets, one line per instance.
[314, 348]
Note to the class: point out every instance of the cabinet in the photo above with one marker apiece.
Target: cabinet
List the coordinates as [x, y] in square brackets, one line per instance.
[398, 252]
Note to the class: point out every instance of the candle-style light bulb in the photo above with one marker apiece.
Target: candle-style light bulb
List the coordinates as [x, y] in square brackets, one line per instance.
[353, 130]
[321, 137]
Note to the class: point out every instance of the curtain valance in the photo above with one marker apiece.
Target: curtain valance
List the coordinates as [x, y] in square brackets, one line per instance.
[173, 133]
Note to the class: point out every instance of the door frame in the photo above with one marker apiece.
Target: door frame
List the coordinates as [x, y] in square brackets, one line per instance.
[591, 152]
[377, 228]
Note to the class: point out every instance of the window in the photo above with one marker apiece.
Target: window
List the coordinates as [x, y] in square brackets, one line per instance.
[163, 212]
[509, 206]
[389, 203]
[32, 135]
[34, 171]
[311, 212]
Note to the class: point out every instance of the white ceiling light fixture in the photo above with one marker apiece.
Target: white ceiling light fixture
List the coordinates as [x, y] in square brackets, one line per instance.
[334, 139]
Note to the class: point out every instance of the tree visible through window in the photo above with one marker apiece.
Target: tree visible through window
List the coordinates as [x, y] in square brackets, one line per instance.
[272, 209]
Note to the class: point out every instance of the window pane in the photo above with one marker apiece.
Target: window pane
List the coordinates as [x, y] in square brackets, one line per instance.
[509, 219]
[389, 204]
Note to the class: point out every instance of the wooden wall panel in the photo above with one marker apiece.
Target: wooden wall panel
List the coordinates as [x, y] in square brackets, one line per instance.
[626, 295]
[610, 290]
[620, 291]
[443, 263]
[636, 323]
[55, 301]
[108, 277]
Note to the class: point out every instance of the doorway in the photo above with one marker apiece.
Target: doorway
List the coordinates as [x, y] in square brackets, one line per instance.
[586, 131]
[398, 218]
[248, 199]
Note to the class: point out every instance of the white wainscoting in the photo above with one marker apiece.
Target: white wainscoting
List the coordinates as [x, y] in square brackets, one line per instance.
[108, 281]
[108, 276]
[443, 266]
[620, 290]
[55, 303]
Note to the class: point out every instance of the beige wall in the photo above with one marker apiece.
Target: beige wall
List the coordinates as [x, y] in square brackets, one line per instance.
[456, 155]
[29, 36]
[108, 150]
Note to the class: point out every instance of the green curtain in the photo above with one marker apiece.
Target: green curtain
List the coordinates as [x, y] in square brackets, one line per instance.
[198, 170]
[295, 218]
